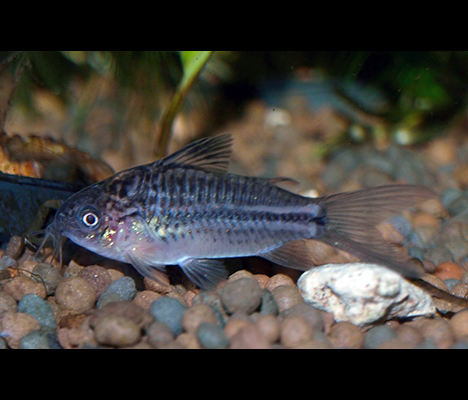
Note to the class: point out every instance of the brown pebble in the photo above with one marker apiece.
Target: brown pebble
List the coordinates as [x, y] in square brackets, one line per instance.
[241, 295]
[409, 334]
[74, 338]
[196, 315]
[113, 330]
[448, 270]
[115, 274]
[188, 341]
[459, 324]
[158, 334]
[345, 335]
[424, 219]
[75, 294]
[242, 273]
[439, 331]
[295, 330]
[16, 325]
[97, 277]
[50, 276]
[395, 343]
[158, 287]
[286, 296]
[314, 344]
[15, 247]
[145, 298]
[460, 290]
[249, 337]
[269, 327]
[29, 265]
[309, 313]
[72, 320]
[21, 285]
[279, 280]
[7, 303]
[125, 309]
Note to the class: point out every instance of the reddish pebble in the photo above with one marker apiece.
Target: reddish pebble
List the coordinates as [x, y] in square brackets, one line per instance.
[269, 326]
[262, 280]
[448, 270]
[22, 285]
[279, 280]
[234, 325]
[249, 337]
[196, 315]
[145, 298]
[17, 325]
[97, 277]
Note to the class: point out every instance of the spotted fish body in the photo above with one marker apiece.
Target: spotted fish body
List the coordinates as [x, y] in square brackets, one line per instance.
[187, 210]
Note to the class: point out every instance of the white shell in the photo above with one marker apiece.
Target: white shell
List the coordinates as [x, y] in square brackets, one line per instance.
[363, 293]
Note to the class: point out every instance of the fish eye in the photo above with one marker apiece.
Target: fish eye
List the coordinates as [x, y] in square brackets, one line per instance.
[90, 219]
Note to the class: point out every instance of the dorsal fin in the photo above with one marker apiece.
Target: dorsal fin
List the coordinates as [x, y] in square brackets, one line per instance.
[209, 154]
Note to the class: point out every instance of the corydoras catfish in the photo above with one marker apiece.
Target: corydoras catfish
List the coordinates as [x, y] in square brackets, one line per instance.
[186, 210]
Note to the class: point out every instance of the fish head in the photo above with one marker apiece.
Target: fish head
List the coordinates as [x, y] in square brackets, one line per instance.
[83, 219]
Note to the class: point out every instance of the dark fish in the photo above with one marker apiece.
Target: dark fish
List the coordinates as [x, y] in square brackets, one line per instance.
[187, 210]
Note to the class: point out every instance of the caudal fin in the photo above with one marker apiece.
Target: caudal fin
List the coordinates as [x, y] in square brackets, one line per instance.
[352, 219]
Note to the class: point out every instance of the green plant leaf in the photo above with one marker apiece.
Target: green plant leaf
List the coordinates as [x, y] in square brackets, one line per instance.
[192, 63]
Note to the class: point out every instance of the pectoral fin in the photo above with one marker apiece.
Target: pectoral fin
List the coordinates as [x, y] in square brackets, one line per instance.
[206, 273]
[147, 269]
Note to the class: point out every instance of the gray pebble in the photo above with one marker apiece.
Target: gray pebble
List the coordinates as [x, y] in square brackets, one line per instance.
[438, 255]
[107, 298]
[211, 336]
[428, 344]
[50, 276]
[169, 311]
[458, 247]
[416, 252]
[451, 283]
[7, 262]
[38, 339]
[462, 345]
[159, 334]
[311, 314]
[3, 344]
[212, 299]
[448, 196]
[124, 287]
[38, 308]
[401, 224]
[269, 304]
[377, 335]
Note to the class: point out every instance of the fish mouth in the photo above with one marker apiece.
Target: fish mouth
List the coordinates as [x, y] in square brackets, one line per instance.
[52, 232]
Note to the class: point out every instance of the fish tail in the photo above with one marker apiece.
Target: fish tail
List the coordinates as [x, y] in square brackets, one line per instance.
[351, 220]
[350, 224]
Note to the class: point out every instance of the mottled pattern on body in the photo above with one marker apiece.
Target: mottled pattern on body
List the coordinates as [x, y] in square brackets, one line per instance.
[187, 210]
